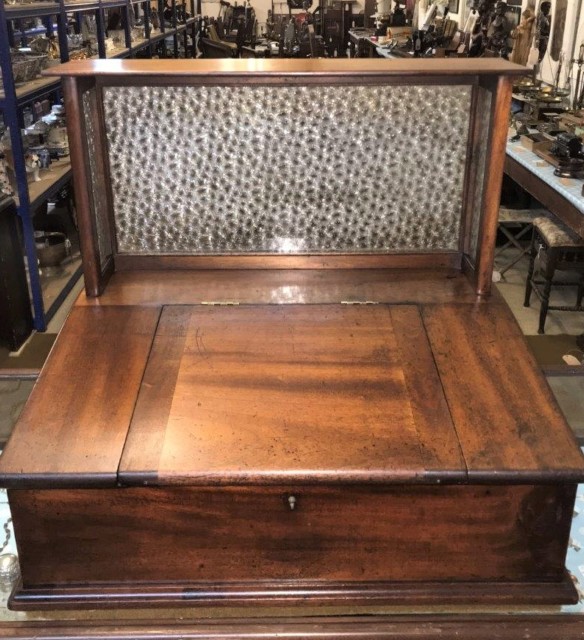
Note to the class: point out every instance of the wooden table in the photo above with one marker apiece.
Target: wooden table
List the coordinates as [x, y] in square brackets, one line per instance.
[530, 172]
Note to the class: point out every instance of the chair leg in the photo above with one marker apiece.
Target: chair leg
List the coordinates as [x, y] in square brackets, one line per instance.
[547, 287]
[528, 284]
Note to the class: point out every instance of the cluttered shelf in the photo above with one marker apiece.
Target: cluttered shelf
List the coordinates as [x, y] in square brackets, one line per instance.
[33, 89]
[51, 180]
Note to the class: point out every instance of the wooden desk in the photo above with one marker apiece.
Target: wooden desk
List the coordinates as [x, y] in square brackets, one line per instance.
[265, 442]
[266, 397]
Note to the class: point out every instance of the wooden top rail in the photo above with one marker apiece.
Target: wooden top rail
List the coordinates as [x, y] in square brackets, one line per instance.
[249, 67]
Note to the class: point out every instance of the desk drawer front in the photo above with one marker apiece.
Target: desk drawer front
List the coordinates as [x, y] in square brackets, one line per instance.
[278, 533]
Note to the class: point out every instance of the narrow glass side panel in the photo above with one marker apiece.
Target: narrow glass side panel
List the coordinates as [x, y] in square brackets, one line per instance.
[97, 187]
[484, 99]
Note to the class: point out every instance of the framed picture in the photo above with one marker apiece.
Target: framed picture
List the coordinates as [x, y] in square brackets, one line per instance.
[453, 6]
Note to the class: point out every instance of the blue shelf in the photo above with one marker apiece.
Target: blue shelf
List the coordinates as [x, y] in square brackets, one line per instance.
[52, 181]
[13, 98]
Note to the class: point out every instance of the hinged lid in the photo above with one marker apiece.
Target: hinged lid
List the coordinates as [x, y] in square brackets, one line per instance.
[295, 393]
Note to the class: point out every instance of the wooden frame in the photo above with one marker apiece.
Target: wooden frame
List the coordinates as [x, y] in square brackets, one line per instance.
[374, 627]
[283, 430]
[323, 72]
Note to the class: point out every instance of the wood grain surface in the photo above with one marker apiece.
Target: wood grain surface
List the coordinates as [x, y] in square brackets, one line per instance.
[358, 68]
[500, 107]
[507, 420]
[299, 392]
[343, 534]
[421, 626]
[75, 423]
[423, 260]
[283, 286]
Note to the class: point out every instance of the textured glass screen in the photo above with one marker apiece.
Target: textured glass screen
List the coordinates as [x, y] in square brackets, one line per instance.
[300, 169]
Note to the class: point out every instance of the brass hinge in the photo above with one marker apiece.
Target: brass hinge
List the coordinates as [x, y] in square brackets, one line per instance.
[359, 302]
[220, 303]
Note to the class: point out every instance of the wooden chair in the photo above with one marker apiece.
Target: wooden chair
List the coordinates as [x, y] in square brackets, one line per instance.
[559, 250]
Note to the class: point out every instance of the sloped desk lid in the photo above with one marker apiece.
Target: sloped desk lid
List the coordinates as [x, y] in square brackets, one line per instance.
[425, 391]
[293, 393]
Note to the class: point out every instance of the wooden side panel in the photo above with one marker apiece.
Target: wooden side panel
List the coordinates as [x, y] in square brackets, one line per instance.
[76, 420]
[234, 535]
[508, 422]
[502, 90]
[502, 626]
[311, 392]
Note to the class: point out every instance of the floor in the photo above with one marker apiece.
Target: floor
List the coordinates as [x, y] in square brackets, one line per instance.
[568, 390]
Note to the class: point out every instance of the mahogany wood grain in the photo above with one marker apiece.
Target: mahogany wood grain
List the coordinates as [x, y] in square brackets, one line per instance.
[501, 105]
[506, 418]
[438, 439]
[301, 393]
[74, 425]
[426, 260]
[238, 540]
[422, 626]
[357, 68]
[425, 454]
[319, 594]
[272, 286]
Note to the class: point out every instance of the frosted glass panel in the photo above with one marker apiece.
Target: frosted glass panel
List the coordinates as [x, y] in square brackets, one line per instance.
[301, 169]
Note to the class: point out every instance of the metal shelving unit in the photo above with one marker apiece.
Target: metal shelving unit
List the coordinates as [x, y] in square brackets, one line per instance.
[13, 98]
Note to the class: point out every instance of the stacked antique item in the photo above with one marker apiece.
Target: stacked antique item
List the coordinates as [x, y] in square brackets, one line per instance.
[283, 387]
